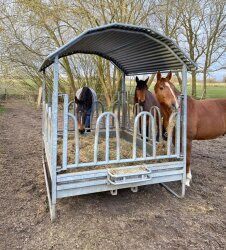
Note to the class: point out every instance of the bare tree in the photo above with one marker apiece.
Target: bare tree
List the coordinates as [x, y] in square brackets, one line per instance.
[215, 34]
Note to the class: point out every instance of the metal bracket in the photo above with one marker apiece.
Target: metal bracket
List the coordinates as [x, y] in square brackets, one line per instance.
[134, 189]
[114, 192]
[180, 196]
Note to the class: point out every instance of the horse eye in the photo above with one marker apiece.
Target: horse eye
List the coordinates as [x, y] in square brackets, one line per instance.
[161, 88]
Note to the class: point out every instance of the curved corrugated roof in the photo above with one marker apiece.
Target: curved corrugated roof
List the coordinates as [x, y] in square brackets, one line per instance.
[133, 49]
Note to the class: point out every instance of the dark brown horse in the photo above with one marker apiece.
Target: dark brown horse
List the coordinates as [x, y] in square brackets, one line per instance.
[143, 96]
[206, 119]
[145, 99]
[83, 108]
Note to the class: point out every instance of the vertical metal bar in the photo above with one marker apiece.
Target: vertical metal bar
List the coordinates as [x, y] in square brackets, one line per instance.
[76, 136]
[149, 128]
[76, 143]
[169, 140]
[54, 128]
[96, 140]
[155, 117]
[117, 139]
[124, 113]
[46, 122]
[178, 129]
[129, 118]
[107, 138]
[153, 128]
[184, 123]
[49, 127]
[170, 129]
[144, 134]
[65, 132]
[135, 139]
[43, 103]
[119, 106]
[49, 98]
[160, 124]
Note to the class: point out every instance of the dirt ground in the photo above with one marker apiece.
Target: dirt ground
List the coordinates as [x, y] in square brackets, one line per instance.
[149, 219]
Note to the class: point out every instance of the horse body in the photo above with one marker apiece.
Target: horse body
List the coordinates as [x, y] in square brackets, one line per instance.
[206, 119]
[85, 99]
[150, 101]
[146, 100]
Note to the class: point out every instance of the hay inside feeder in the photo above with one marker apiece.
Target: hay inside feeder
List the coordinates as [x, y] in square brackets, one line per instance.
[86, 152]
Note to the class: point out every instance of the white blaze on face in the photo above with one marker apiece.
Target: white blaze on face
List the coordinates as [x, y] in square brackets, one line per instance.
[176, 101]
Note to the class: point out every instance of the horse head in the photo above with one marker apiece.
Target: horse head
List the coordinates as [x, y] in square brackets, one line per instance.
[166, 92]
[140, 91]
[83, 108]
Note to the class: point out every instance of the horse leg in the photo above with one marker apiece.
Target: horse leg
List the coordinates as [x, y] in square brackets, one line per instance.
[188, 162]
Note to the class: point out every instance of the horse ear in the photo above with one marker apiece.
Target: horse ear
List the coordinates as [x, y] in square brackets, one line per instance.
[137, 79]
[169, 75]
[159, 76]
[146, 80]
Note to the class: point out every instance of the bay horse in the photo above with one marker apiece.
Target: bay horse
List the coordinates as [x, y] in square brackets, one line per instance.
[145, 99]
[84, 100]
[206, 119]
[143, 96]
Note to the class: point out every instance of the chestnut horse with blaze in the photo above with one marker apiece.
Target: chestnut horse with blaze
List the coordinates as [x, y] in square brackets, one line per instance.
[206, 119]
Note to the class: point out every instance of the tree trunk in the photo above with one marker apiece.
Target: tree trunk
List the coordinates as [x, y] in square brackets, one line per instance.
[151, 80]
[204, 83]
[193, 75]
[179, 80]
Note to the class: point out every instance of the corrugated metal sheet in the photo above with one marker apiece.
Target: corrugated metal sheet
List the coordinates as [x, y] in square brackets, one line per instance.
[133, 49]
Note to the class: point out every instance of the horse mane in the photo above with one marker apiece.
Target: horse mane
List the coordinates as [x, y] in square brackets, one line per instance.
[177, 92]
[86, 97]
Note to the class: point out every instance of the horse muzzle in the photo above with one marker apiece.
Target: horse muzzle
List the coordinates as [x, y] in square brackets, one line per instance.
[81, 131]
[174, 106]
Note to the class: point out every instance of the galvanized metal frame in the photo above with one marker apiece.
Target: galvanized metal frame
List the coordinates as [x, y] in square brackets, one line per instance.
[59, 184]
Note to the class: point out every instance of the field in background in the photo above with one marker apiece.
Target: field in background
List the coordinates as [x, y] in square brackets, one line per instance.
[214, 90]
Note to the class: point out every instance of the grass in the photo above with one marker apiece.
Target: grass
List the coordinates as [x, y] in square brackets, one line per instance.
[213, 90]
[2, 109]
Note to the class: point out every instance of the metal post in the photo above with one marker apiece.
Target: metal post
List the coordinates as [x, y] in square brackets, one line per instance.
[124, 113]
[184, 123]
[184, 134]
[43, 101]
[54, 135]
[119, 106]
[65, 132]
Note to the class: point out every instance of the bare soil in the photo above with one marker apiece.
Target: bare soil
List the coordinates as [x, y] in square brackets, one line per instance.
[149, 219]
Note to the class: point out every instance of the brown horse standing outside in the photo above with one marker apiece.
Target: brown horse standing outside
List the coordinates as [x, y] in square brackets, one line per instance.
[206, 119]
[145, 99]
[143, 96]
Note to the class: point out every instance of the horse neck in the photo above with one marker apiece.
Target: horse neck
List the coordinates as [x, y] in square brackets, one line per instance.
[135, 97]
[86, 96]
[166, 113]
[151, 100]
